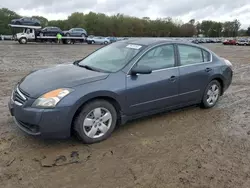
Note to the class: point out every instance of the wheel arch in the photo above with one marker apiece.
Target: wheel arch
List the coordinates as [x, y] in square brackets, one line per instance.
[20, 39]
[110, 97]
[220, 79]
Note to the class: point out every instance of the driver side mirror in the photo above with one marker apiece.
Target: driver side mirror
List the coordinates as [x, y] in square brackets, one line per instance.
[141, 69]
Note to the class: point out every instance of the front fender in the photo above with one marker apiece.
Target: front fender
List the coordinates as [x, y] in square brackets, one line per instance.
[97, 94]
[76, 102]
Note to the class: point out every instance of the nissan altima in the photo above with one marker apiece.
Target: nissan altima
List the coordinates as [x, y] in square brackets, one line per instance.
[119, 82]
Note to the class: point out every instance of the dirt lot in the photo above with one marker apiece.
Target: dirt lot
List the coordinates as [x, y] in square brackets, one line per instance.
[188, 148]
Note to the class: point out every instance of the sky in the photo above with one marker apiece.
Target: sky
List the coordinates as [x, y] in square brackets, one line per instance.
[217, 10]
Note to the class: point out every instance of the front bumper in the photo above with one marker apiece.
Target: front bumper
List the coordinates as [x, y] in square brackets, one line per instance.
[46, 123]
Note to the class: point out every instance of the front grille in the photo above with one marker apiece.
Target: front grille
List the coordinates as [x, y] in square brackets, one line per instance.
[19, 97]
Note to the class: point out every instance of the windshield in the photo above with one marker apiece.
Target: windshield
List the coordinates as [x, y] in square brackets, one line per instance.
[111, 58]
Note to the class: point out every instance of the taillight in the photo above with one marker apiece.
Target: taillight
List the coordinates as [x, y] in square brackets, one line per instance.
[228, 62]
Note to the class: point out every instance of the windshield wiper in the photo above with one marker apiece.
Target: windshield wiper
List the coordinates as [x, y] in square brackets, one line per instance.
[88, 67]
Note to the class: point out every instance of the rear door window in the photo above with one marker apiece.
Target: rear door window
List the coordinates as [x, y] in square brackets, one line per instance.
[206, 56]
[189, 54]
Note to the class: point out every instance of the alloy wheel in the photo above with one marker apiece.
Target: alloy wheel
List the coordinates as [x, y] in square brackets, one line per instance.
[97, 122]
[213, 94]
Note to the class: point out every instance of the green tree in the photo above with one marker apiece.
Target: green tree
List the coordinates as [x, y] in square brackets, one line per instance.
[123, 25]
[248, 31]
[6, 16]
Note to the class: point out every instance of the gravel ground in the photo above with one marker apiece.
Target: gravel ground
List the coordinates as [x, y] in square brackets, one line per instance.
[187, 148]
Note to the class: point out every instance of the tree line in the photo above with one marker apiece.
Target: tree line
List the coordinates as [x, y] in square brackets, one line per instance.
[126, 26]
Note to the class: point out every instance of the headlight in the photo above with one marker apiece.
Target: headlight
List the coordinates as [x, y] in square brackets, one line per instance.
[50, 99]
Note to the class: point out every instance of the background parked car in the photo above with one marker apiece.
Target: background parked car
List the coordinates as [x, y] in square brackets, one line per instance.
[242, 42]
[112, 39]
[229, 42]
[98, 40]
[195, 41]
[76, 32]
[26, 21]
[50, 31]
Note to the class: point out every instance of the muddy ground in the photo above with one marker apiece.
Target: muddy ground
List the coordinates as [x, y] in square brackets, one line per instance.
[188, 148]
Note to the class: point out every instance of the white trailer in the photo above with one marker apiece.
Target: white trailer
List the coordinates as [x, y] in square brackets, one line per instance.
[30, 34]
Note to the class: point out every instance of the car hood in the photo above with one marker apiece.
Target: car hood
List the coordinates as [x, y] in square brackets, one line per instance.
[61, 76]
[20, 34]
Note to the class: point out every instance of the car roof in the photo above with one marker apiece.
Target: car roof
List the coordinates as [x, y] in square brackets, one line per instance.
[51, 27]
[155, 41]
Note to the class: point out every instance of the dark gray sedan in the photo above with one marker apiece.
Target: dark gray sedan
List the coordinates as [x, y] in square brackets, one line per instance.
[119, 82]
[26, 21]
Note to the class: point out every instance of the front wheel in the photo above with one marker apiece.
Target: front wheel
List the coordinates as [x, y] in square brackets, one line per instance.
[96, 121]
[211, 94]
[23, 40]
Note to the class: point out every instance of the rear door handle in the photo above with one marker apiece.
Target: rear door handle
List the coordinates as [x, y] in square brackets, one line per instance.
[172, 79]
[208, 69]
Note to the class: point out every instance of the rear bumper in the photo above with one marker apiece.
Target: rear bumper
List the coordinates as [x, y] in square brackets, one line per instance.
[46, 123]
[228, 80]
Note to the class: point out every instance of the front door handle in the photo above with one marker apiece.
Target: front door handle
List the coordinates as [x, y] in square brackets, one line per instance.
[172, 79]
[208, 69]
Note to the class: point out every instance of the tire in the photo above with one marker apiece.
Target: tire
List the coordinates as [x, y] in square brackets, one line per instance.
[18, 23]
[214, 87]
[68, 41]
[105, 43]
[98, 130]
[92, 42]
[23, 41]
[41, 34]
[68, 35]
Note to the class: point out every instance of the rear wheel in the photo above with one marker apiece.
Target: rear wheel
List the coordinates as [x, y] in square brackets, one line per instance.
[96, 121]
[211, 94]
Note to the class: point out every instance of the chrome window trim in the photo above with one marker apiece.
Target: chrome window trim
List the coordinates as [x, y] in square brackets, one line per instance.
[178, 66]
[158, 70]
